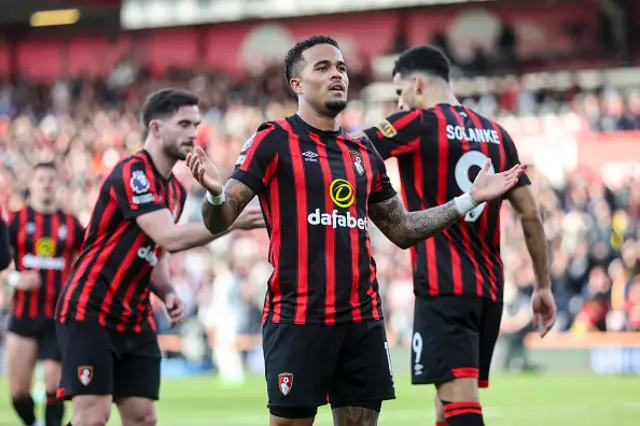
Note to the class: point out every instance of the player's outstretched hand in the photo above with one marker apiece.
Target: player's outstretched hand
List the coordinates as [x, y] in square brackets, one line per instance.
[487, 186]
[543, 306]
[250, 218]
[175, 309]
[29, 280]
[204, 171]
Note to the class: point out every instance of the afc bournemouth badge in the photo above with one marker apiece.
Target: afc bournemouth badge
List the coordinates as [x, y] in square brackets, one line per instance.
[356, 159]
[285, 382]
[85, 374]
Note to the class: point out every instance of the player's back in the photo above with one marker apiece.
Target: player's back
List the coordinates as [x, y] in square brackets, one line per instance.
[109, 281]
[440, 150]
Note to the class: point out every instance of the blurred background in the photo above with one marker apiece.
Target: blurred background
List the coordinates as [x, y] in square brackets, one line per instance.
[563, 77]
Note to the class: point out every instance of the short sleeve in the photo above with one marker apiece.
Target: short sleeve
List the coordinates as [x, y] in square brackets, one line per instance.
[512, 158]
[382, 189]
[78, 234]
[258, 159]
[135, 188]
[398, 134]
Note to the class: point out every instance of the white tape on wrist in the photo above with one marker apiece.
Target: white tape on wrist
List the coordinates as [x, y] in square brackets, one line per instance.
[464, 203]
[14, 279]
[215, 200]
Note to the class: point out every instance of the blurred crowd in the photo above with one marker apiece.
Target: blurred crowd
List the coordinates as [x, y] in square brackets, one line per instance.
[85, 125]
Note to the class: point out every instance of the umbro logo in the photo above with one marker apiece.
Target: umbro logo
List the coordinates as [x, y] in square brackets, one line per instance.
[310, 156]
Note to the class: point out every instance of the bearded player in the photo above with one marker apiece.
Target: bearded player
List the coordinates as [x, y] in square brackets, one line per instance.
[458, 275]
[323, 328]
[105, 328]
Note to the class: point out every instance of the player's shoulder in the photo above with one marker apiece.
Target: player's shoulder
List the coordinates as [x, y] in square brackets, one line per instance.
[266, 133]
[13, 215]
[136, 166]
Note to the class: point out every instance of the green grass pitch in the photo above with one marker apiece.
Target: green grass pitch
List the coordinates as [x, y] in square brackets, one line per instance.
[520, 400]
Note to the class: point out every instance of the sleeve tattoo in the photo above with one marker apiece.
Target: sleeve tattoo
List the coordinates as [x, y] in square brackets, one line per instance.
[406, 229]
[218, 219]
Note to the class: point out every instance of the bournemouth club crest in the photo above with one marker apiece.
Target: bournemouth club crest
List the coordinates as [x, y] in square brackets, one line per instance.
[85, 374]
[285, 382]
[356, 159]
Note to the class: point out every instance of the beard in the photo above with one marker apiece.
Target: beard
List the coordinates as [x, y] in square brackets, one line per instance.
[176, 152]
[335, 105]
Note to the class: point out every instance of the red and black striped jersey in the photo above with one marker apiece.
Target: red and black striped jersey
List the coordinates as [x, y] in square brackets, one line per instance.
[315, 188]
[440, 151]
[110, 280]
[47, 243]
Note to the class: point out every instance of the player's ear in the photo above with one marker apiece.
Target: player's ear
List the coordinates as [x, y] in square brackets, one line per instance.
[418, 84]
[154, 127]
[296, 85]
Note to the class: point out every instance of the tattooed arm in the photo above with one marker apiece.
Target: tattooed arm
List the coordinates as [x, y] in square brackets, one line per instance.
[406, 229]
[219, 218]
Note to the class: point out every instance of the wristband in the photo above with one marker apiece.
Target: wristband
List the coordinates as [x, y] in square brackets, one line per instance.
[215, 200]
[14, 279]
[464, 203]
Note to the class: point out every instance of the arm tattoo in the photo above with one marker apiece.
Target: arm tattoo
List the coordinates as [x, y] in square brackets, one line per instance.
[218, 219]
[407, 229]
[355, 416]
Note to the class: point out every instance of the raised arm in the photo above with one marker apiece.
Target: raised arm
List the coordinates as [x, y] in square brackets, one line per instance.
[218, 217]
[405, 229]
[256, 165]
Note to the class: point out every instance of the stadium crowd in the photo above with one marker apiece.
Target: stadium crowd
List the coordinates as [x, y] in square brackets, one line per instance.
[86, 125]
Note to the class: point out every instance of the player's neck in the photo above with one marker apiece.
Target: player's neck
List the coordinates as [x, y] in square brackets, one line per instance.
[42, 207]
[318, 121]
[439, 96]
[163, 163]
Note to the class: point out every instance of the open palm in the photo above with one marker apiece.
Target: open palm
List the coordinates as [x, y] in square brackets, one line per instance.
[488, 186]
[204, 171]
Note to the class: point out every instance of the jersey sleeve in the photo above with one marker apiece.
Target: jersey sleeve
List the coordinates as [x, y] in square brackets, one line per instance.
[512, 158]
[258, 159]
[398, 134]
[382, 189]
[135, 189]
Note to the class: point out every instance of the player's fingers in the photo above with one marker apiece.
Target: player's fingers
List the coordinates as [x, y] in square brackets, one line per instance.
[487, 165]
[189, 159]
[199, 152]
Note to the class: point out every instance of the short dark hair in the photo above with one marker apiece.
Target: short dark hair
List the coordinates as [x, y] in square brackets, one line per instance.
[46, 165]
[294, 55]
[425, 59]
[166, 102]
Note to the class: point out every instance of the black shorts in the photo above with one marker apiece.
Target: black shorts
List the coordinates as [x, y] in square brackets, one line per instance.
[307, 366]
[100, 361]
[42, 330]
[454, 337]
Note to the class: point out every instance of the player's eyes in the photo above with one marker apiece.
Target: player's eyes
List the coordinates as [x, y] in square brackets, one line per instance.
[342, 69]
[322, 68]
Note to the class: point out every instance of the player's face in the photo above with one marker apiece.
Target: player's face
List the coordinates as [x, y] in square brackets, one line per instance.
[178, 133]
[323, 82]
[407, 91]
[44, 185]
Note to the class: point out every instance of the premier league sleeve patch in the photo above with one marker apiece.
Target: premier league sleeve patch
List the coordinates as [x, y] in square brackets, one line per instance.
[139, 182]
